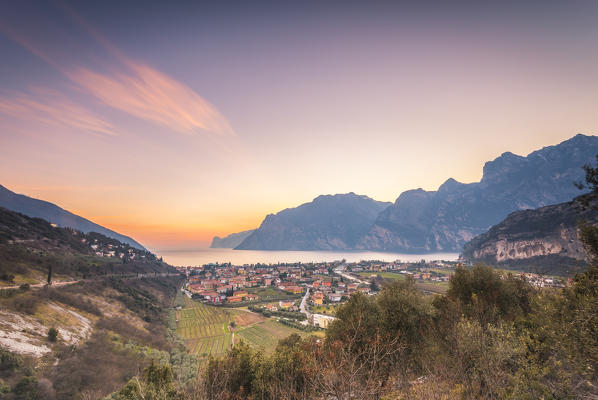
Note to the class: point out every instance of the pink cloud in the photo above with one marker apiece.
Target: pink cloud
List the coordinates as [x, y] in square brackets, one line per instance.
[52, 108]
[126, 85]
[148, 94]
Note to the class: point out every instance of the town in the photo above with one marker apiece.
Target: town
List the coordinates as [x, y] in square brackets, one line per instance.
[312, 289]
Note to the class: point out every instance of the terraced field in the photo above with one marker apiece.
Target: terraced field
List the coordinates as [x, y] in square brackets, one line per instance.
[204, 328]
[266, 334]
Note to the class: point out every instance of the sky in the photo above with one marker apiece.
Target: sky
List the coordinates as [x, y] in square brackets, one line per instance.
[174, 123]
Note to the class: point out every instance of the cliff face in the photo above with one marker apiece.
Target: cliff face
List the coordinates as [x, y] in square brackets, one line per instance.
[444, 220]
[542, 238]
[331, 222]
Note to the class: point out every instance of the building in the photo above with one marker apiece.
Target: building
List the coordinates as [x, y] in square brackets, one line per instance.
[317, 298]
[321, 321]
[235, 299]
[285, 304]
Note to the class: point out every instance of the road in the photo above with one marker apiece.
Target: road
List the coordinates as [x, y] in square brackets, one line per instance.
[302, 306]
[340, 270]
[65, 283]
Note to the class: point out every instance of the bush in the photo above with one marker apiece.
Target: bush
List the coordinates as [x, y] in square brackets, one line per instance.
[9, 361]
[26, 303]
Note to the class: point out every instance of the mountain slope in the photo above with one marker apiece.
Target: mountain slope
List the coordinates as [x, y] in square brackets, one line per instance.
[331, 222]
[444, 220]
[56, 215]
[231, 241]
[105, 295]
[546, 237]
[28, 246]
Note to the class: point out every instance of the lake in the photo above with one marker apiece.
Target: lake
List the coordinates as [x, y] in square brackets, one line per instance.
[240, 257]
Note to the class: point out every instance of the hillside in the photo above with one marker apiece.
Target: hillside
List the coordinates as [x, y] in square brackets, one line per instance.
[56, 215]
[231, 241]
[331, 222]
[541, 240]
[108, 308]
[444, 220]
[28, 246]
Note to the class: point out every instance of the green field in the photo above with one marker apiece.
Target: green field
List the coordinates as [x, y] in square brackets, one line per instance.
[434, 287]
[272, 293]
[428, 286]
[204, 328]
[329, 309]
[385, 275]
[266, 334]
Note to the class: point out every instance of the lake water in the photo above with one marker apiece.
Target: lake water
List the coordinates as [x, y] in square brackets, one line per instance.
[240, 257]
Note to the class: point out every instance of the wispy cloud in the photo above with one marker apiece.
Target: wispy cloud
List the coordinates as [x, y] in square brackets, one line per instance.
[119, 81]
[52, 108]
[148, 94]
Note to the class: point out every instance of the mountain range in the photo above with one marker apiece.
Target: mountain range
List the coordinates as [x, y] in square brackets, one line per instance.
[331, 222]
[56, 215]
[422, 221]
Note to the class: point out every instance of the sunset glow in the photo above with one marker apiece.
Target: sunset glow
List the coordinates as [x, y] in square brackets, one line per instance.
[238, 112]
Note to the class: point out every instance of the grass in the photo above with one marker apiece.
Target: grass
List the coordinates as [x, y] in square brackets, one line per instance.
[428, 286]
[434, 287]
[385, 275]
[329, 309]
[271, 293]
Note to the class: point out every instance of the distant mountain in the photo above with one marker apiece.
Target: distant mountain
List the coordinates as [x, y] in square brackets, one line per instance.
[331, 222]
[545, 239]
[231, 241]
[56, 215]
[444, 220]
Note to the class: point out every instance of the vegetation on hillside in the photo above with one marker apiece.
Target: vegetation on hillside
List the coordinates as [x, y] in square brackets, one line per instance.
[30, 246]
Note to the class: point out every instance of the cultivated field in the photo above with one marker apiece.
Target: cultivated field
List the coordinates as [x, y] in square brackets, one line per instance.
[204, 328]
[266, 334]
[246, 318]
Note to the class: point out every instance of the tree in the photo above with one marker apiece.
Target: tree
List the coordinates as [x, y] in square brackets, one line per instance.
[52, 334]
[484, 294]
[157, 384]
[49, 273]
[590, 179]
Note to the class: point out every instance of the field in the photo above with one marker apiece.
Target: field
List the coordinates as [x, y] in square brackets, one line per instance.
[266, 334]
[271, 293]
[434, 287]
[426, 286]
[246, 318]
[385, 275]
[204, 328]
[329, 309]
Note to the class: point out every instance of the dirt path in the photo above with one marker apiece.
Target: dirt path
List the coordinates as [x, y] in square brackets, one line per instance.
[65, 283]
